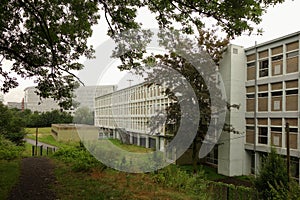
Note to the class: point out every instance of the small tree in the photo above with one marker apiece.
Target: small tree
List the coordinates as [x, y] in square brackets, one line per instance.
[272, 174]
[84, 115]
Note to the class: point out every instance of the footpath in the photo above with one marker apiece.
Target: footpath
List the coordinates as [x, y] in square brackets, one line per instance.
[35, 180]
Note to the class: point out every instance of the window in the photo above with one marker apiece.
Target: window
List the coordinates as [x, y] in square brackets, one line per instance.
[291, 92]
[277, 58]
[263, 68]
[263, 135]
[292, 54]
[277, 93]
[250, 96]
[262, 94]
[252, 64]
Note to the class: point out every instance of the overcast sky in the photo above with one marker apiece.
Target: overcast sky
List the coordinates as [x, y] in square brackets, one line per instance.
[280, 20]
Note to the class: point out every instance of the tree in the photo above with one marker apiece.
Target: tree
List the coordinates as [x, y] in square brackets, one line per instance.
[45, 119]
[11, 125]
[271, 175]
[202, 18]
[44, 40]
[205, 20]
[83, 115]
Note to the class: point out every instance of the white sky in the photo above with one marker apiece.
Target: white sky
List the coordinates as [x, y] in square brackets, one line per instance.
[278, 21]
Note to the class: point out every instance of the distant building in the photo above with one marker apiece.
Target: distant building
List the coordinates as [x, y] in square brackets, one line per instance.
[130, 110]
[84, 95]
[34, 103]
[17, 105]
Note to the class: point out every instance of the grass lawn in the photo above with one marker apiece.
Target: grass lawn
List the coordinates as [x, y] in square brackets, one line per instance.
[9, 173]
[43, 130]
[45, 136]
[130, 147]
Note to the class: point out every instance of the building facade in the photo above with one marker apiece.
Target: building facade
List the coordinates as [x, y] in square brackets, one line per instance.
[130, 111]
[84, 96]
[272, 96]
[262, 80]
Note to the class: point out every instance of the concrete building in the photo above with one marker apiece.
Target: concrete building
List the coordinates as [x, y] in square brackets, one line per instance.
[34, 103]
[272, 96]
[84, 95]
[263, 80]
[130, 110]
[17, 105]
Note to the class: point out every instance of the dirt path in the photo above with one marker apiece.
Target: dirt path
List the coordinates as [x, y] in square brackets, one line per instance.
[36, 176]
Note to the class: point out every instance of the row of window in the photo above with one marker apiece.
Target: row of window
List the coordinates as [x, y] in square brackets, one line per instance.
[271, 63]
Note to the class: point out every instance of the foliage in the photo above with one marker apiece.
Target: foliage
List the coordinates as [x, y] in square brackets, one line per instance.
[9, 150]
[271, 175]
[232, 18]
[44, 40]
[174, 177]
[79, 158]
[280, 191]
[11, 125]
[45, 119]
[83, 115]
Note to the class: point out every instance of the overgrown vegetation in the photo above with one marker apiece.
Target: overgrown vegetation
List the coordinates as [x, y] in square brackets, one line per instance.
[78, 158]
[9, 150]
[11, 125]
[272, 181]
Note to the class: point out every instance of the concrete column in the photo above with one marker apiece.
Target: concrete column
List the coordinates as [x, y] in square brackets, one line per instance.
[147, 141]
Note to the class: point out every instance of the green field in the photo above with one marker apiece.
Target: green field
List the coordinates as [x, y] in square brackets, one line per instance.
[45, 136]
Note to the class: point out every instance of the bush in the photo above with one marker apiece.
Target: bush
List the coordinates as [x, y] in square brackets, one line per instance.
[79, 158]
[273, 173]
[174, 177]
[8, 150]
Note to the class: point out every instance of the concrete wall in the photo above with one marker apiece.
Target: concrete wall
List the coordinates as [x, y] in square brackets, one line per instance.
[232, 157]
[72, 133]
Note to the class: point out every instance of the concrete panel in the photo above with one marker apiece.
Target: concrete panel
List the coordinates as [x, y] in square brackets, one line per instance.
[291, 84]
[277, 50]
[292, 65]
[263, 87]
[292, 103]
[276, 86]
[263, 54]
[292, 46]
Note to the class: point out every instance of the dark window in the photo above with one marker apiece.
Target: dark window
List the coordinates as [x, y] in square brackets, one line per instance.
[291, 92]
[252, 64]
[263, 135]
[263, 68]
[276, 129]
[294, 130]
[263, 95]
[250, 96]
[277, 58]
[278, 93]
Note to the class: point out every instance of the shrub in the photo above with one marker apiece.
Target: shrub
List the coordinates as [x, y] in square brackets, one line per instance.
[8, 150]
[79, 158]
[272, 174]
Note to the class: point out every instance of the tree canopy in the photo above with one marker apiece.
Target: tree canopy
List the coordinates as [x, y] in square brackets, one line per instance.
[44, 39]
